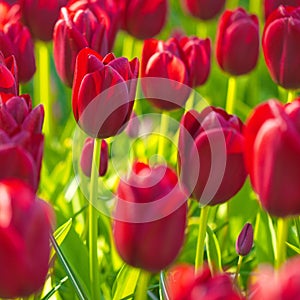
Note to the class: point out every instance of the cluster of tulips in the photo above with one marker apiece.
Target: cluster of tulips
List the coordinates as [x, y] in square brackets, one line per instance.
[216, 151]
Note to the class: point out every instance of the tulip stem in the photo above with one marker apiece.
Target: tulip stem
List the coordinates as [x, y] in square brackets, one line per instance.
[191, 101]
[164, 124]
[291, 96]
[238, 268]
[201, 237]
[142, 286]
[93, 222]
[282, 233]
[128, 44]
[42, 84]
[231, 95]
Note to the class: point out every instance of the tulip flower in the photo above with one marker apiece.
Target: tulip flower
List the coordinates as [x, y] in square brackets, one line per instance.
[103, 92]
[271, 5]
[272, 151]
[25, 225]
[87, 156]
[211, 147]
[41, 16]
[280, 41]
[244, 241]
[203, 9]
[80, 25]
[138, 16]
[150, 217]
[237, 42]
[183, 284]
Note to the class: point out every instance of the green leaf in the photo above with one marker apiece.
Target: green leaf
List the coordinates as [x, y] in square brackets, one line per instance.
[125, 282]
[213, 251]
[294, 248]
[55, 289]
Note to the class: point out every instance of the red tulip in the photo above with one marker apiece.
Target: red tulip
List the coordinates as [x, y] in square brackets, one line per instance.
[25, 225]
[272, 151]
[281, 38]
[81, 24]
[150, 217]
[203, 9]
[211, 147]
[40, 16]
[237, 42]
[103, 92]
[271, 5]
[87, 157]
[138, 16]
[183, 284]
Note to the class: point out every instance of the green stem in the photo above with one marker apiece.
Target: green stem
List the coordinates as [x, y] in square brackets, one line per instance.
[291, 96]
[282, 233]
[232, 4]
[201, 237]
[142, 286]
[191, 101]
[93, 222]
[202, 29]
[231, 95]
[128, 46]
[238, 268]
[164, 123]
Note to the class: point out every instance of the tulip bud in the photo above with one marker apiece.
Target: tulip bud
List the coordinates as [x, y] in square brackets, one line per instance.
[271, 5]
[281, 38]
[25, 225]
[103, 92]
[272, 136]
[237, 39]
[211, 155]
[244, 241]
[150, 217]
[87, 157]
[203, 9]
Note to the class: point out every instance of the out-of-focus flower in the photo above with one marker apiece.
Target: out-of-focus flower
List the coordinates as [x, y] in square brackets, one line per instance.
[150, 217]
[237, 42]
[103, 92]
[271, 5]
[280, 41]
[25, 227]
[244, 241]
[272, 152]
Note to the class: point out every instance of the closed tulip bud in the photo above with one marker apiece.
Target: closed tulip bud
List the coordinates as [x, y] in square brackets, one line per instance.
[87, 157]
[271, 5]
[197, 54]
[272, 144]
[281, 38]
[40, 17]
[244, 241]
[138, 16]
[150, 217]
[25, 226]
[103, 92]
[203, 9]
[237, 42]
[211, 155]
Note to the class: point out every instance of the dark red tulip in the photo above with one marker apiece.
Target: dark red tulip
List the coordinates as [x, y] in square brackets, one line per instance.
[138, 16]
[272, 151]
[103, 92]
[87, 157]
[271, 5]
[211, 147]
[237, 42]
[203, 9]
[40, 16]
[281, 38]
[81, 24]
[244, 241]
[150, 217]
[25, 226]
[183, 284]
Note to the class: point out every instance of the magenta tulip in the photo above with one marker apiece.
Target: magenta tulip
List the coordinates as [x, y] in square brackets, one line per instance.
[244, 241]
[271, 5]
[237, 42]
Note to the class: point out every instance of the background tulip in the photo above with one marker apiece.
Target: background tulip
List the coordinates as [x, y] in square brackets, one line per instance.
[281, 38]
[273, 144]
[237, 42]
[152, 237]
[215, 138]
[103, 92]
[25, 225]
[203, 9]
[271, 5]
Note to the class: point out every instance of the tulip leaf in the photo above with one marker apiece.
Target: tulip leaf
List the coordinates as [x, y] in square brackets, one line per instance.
[213, 251]
[125, 282]
[294, 248]
[55, 289]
